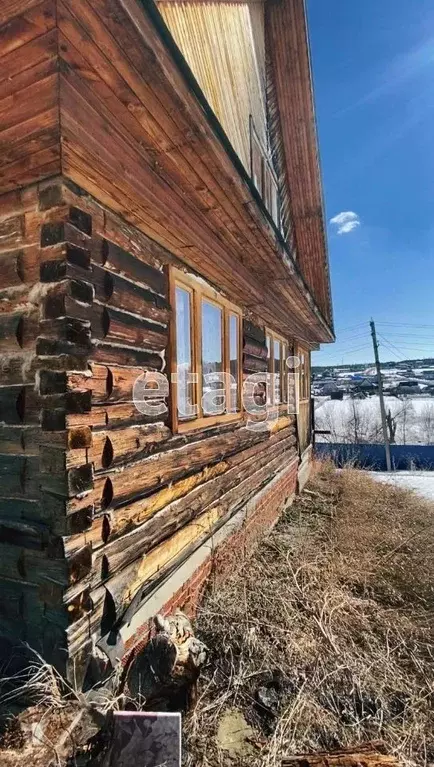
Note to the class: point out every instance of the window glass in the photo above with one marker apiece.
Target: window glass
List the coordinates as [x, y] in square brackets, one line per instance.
[284, 373]
[183, 350]
[277, 371]
[233, 361]
[212, 359]
[206, 331]
[270, 371]
[263, 176]
[257, 165]
[274, 205]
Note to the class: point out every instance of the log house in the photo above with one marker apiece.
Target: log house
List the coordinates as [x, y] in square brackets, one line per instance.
[160, 213]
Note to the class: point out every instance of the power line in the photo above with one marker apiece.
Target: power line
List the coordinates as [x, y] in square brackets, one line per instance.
[351, 327]
[390, 350]
[391, 345]
[348, 350]
[405, 324]
[410, 335]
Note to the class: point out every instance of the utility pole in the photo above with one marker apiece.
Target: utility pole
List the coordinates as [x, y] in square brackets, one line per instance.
[380, 392]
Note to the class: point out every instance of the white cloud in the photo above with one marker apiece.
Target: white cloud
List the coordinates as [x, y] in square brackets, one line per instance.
[345, 222]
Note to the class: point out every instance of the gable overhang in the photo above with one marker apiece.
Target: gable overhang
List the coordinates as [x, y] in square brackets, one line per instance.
[286, 22]
[320, 304]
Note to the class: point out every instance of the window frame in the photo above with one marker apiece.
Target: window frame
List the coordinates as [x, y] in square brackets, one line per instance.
[268, 187]
[200, 291]
[304, 384]
[284, 343]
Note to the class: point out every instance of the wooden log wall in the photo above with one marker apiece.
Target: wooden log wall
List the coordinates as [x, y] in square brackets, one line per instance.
[29, 86]
[97, 499]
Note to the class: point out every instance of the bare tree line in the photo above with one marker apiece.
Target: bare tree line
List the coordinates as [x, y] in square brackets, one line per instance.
[358, 421]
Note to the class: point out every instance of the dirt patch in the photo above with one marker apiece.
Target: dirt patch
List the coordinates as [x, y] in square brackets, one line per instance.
[325, 637]
[234, 735]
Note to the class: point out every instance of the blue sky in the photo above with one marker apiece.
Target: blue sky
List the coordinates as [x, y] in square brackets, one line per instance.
[373, 66]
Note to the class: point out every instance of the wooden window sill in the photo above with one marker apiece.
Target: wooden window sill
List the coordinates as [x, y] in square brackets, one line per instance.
[204, 423]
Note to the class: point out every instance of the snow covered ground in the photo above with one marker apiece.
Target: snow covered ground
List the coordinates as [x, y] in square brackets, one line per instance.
[353, 420]
[422, 482]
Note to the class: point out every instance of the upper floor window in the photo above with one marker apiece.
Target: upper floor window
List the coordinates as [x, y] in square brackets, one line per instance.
[277, 349]
[206, 354]
[304, 374]
[263, 176]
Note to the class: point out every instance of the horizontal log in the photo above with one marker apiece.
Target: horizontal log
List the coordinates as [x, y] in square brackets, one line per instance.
[122, 294]
[114, 447]
[16, 299]
[253, 348]
[66, 299]
[371, 754]
[126, 329]
[19, 476]
[68, 483]
[254, 364]
[158, 470]
[19, 405]
[54, 347]
[145, 537]
[60, 268]
[137, 511]
[28, 509]
[25, 533]
[106, 383]
[54, 232]
[77, 401]
[77, 331]
[118, 260]
[19, 600]
[20, 439]
[124, 585]
[19, 266]
[11, 231]
[150, 568]
[181, 456]
[109, 526]
[36, 567]
[111, 416]
[128, 517]
[70, 439]
[18, 331]
[111, 354]
[251, 331]
[58, 460]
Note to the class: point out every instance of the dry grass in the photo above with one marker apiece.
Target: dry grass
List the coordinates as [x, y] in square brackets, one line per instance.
[335, 614]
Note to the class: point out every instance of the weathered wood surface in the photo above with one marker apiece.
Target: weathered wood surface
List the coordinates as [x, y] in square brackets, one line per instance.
[370, 754]
[191, 194]
[29, 114]
[96, 497]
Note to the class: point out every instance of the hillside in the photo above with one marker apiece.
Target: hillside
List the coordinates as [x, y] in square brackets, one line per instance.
[325, 637]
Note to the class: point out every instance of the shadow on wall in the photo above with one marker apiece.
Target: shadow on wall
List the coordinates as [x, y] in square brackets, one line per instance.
[404, 457]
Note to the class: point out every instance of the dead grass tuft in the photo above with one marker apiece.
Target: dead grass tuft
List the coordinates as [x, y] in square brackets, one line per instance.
[333, 617]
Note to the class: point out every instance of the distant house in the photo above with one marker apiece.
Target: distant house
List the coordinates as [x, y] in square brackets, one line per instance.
[161, 214]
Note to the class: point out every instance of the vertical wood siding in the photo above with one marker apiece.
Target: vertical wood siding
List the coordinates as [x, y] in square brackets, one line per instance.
[224, 47]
